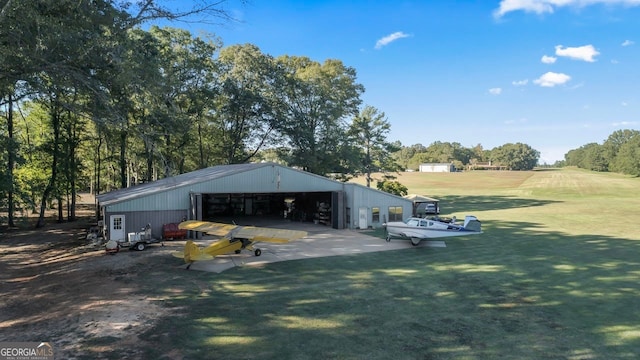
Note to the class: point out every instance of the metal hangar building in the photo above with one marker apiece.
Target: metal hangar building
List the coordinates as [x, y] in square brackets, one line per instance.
[239, 192]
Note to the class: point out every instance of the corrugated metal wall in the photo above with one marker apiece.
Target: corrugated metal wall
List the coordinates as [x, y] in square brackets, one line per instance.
[174, 204]
[135, 220]
[362, 196]
[267, 179]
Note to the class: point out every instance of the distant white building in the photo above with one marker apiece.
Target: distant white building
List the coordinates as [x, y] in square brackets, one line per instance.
[437, 167]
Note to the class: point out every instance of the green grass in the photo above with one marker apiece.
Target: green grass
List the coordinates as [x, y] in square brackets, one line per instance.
[554, 276]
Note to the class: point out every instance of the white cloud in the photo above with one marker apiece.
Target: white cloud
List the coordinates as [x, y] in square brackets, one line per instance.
[577, 86]
[389, 39]
[584, 53]
[520, 82]
[538, 7]
[627, 43]
[552, 79]
[495, 91]
[548, 59]
[549, 6]
[518, 121]
[624, 123]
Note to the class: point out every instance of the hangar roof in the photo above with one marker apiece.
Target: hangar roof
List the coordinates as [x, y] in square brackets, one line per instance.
[156, 194]
[185, 179]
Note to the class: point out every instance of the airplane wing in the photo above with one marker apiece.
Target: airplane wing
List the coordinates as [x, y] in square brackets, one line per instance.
[268, 234]
[231, 242]
[188, 258]
[245, 232]
[211, 228]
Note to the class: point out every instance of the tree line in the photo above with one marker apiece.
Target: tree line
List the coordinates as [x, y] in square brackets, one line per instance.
[89, 100]
[510, 156]
[620, 153]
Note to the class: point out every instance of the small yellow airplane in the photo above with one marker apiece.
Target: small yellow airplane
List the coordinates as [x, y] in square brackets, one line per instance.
[235, 238]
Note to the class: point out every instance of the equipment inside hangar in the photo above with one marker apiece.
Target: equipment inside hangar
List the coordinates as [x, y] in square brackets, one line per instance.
[314, 207]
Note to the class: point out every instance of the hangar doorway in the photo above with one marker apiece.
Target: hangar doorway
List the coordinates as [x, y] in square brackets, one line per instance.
[325, 208]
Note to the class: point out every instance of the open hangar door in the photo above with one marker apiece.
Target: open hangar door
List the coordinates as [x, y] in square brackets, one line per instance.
[318, 207]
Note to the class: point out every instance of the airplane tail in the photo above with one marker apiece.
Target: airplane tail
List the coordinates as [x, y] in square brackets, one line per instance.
[472, 223]
[191, 252]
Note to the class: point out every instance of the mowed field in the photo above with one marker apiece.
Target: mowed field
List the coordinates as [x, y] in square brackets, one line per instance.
[569, 201]
[554, 276]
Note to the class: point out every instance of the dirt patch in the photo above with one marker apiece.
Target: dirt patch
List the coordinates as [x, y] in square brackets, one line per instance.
[58, 286]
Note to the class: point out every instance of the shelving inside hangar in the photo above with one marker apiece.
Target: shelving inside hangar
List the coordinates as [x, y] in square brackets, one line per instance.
[305, 207]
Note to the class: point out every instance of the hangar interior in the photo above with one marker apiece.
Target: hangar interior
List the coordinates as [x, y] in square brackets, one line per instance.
[314, 207]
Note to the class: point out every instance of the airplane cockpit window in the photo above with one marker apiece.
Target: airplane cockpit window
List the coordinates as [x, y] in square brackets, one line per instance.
[423, 223]
[412, 222]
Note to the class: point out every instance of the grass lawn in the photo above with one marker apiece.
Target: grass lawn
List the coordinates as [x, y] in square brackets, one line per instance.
[554, 276]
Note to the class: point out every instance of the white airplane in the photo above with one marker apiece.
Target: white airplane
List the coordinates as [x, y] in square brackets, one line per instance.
[418, 229]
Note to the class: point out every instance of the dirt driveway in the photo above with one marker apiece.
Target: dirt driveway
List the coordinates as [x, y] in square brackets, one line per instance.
[58, 287]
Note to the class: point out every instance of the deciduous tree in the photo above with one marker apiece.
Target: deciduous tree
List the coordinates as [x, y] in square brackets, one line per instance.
[516, 156]
[316, 99]
[612, 146]
[368, 133]
[245, 116]
[627, 160]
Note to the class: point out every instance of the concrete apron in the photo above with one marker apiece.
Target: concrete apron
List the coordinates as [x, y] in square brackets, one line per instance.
[320, 242]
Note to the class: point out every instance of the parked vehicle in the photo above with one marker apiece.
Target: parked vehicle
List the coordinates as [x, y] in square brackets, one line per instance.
[417, 229]
[136, 241]
[427, 208]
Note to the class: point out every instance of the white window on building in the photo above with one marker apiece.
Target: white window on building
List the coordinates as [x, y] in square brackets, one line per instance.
[395, 213]
[375, 215]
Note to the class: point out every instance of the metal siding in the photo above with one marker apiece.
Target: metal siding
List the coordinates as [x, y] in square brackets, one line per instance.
[174, 198]
[339, 204]
[136, 220]
[299, 181]
[265, 179]
[274, 179]
[362, 196]
[182, 180]
[436, 167]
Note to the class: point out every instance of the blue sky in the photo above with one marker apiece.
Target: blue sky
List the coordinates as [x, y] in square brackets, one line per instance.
[554, 74]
